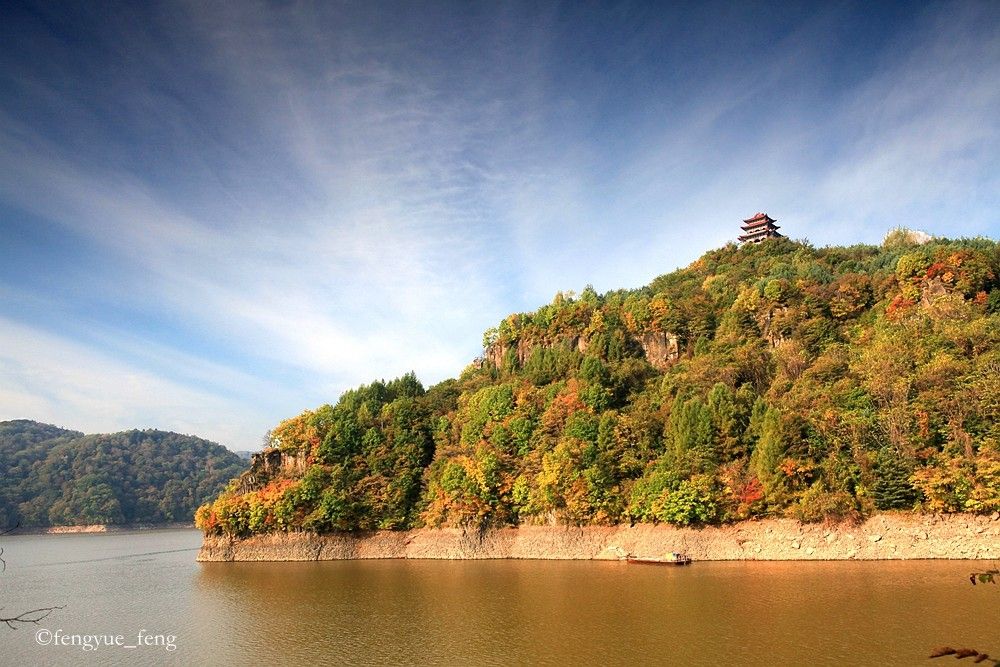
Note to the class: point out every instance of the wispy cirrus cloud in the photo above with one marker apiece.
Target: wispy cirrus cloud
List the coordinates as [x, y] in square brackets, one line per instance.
[258, 205]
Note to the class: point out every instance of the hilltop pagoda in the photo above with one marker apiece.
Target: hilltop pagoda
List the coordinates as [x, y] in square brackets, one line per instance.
[759, 228]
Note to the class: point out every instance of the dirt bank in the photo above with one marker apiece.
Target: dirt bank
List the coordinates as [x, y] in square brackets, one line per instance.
[59, 530]
[98, 528]
[886, 536]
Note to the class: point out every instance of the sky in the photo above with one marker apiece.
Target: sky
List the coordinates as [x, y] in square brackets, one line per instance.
[214, 215]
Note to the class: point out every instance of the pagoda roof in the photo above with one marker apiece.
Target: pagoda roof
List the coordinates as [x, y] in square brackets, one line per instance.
[760, 217]
[760, 225]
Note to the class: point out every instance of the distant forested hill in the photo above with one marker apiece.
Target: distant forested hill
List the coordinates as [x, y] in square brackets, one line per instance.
[52, 476]
[776, 379]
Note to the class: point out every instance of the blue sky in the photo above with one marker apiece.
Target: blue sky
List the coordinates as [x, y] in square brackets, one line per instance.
[216, 215]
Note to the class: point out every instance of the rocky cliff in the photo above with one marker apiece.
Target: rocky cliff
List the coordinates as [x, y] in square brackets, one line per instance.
[883, 537]
[659, 347]
[269, 464]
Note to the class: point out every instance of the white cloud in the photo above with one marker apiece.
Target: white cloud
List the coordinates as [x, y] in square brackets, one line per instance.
[359, 205]
[48, 378]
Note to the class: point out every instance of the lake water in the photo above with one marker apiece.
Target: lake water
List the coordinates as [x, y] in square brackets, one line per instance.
[480, 613]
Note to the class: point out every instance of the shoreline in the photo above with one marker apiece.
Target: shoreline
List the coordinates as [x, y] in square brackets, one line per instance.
[98, 528]
[881, 537]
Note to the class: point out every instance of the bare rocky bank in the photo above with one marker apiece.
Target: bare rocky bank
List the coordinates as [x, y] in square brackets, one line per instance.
[885, 536]
[101, 528]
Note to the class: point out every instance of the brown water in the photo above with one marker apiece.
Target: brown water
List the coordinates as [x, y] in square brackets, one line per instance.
[482, 613]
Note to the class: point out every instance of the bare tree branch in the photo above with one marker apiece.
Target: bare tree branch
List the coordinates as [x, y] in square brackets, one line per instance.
[34, 616]
[962, 653]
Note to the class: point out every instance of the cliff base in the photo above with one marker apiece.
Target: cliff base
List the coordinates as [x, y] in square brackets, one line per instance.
[886, 536]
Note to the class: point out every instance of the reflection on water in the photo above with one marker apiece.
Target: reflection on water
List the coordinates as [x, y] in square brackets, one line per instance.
[498, 612]
[504, 612]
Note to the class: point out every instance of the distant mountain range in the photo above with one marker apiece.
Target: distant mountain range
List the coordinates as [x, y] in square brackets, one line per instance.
[53, 476]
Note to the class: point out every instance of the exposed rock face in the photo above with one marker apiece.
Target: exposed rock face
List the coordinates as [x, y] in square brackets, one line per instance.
[271, 463]
[768, 329]
[934, 289]
[939, 301]
[661, 348]
[92, 528]
[883, 537]
[496, 352]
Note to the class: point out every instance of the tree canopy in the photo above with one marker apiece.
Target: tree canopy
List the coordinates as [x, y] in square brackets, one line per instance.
[52, 476]
[771, 379]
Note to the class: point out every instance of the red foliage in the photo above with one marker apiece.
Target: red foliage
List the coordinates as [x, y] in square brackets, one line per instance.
[937, 269]
[750, 492]
[898, 307]
[274, 491]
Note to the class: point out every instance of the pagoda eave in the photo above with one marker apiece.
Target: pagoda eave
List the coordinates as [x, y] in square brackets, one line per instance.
[760, 218]
[759, 225]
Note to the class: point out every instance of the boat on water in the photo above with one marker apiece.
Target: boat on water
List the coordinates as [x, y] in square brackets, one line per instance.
[672, 558]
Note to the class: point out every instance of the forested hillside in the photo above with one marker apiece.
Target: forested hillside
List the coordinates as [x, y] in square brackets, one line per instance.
[771, 379]
[52, 476]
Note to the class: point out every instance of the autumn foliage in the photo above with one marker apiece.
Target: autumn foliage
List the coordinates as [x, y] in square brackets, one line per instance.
[813, 383]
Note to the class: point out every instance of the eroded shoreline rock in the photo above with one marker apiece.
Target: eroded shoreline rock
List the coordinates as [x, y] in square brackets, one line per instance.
[882, 537]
